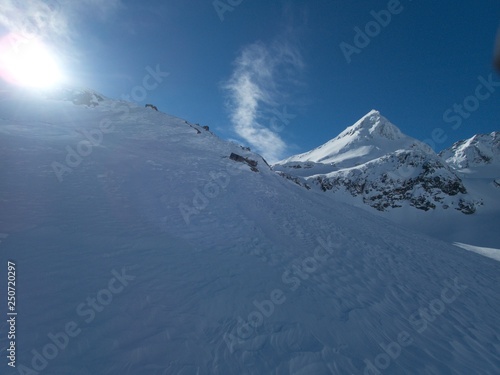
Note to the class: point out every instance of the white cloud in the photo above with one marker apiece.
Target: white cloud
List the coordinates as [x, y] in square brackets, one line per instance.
[52, 20]
[31, 17]
[262, 77]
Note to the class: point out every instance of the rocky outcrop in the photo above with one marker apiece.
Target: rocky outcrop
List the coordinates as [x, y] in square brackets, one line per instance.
[405, 177]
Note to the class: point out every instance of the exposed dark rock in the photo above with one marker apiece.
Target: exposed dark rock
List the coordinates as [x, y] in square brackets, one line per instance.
[151, 106]
[466, 207]
[299, 181]
[421, 182]
[251, 163]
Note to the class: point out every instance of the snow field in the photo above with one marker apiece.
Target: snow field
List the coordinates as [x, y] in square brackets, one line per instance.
[313, 286]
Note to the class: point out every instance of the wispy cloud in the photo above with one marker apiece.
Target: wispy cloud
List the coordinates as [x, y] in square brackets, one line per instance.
[263, 77]
[53, 20]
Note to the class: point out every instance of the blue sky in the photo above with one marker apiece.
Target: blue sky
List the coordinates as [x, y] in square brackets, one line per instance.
[283, 76]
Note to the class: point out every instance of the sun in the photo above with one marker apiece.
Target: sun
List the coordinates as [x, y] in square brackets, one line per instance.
[27, 62]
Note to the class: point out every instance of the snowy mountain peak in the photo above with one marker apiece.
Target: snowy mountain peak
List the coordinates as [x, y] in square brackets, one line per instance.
[370, 137]
[373, 124]
[374, 162]
[480, 150]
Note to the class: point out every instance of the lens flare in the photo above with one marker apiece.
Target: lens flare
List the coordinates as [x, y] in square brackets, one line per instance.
[27, 62]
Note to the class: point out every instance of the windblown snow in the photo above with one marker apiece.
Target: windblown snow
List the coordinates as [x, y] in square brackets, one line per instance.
[143, 246]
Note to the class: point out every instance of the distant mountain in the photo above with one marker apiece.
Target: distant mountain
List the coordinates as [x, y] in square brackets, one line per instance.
[375, 162]
[480, 150]
[369, 138]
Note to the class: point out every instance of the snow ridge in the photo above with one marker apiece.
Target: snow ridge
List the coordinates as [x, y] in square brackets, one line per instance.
[480, 150]
[370, 137]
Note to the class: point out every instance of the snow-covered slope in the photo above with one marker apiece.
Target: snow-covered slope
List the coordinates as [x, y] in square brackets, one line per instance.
[141, 247]
[377, 164]
[477, 162]
[480, 150]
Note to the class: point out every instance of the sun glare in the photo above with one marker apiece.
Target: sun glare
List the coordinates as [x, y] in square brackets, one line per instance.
[28, 62]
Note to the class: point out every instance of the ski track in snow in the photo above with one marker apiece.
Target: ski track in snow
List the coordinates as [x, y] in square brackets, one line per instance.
[119, 210]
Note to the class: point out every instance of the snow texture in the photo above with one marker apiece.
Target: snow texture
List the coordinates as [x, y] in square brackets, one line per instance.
[141, 248]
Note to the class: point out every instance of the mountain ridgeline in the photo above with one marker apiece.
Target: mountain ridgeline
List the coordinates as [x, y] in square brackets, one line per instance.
[374, 162]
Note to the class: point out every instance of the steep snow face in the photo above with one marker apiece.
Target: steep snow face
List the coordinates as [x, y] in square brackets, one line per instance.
[480, 150]
[373, 160]
[143, 248]
[371, 137]
[371, 126]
